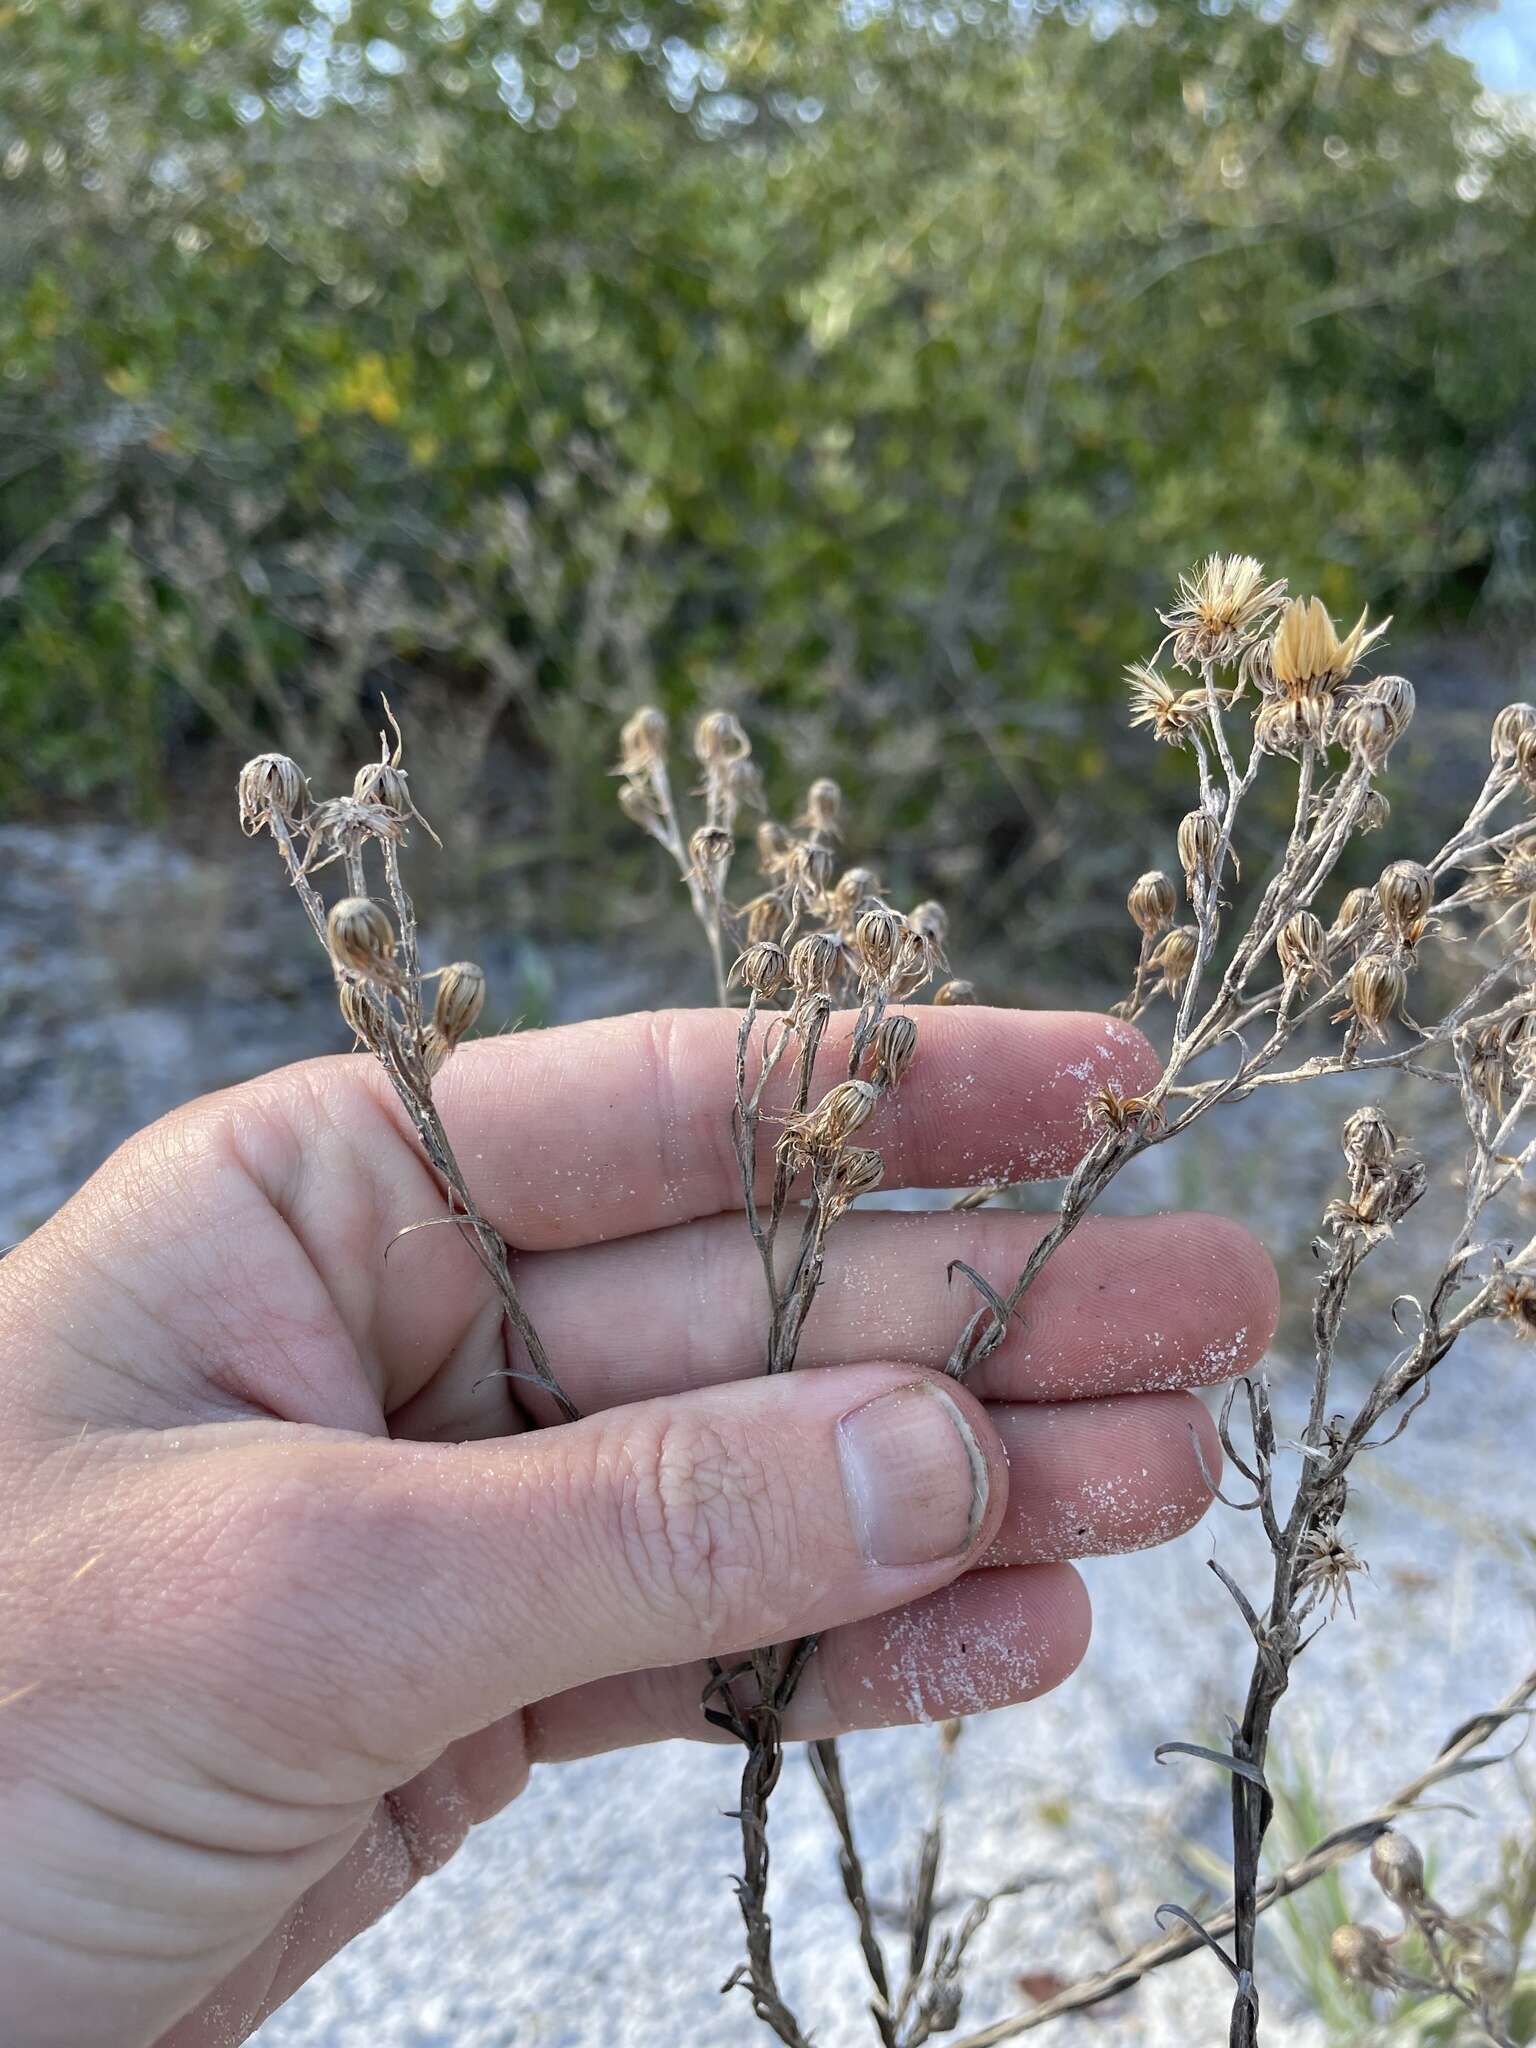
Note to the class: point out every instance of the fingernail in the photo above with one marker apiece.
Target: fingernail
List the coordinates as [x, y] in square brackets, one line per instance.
[914, 1475]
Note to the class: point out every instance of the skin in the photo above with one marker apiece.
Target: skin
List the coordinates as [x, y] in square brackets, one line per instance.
[299, 1586]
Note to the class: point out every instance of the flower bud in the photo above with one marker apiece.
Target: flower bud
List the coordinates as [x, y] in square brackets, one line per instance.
[1361, 1955]
[1176, 953]
[460, 999]
[1152, 902]
[954, 993]
[642, 740]
[1369, 1141]
[895, 1043]
[1509, 728]
[762, 968]
[1302, 947]
[1405, 891]
[361, 935]
[813, 963]
[1398, 1868]
[1199, 839]
[1377, 986]
[383, 783]
[876, 937]
[271, 786]
[719, 738]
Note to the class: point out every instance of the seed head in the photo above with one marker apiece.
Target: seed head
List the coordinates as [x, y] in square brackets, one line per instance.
[1369, 1141]
[1405, 892]
[1374, 812]
[642, 741]
[1377, 986]
[361, 936]
[271, 787]
[855, 889]
[763, 968]
[460, 999]
[814, 962]
[1302, 948]
[1170, 714]
[824, 805]
[710, 850]
[857, 1172]
[1152, 902]
[1357, 913]
[1220, 608]
[1362, 1956]
[383, 783]
[775, 843]
[1199, 841]
[720, 738]
[1398, 1868]
[767, 918]
[955, 992]
[840, 1112]
[895, 1043]
[1307, 656]
[876, 938]
[1509, 728]
[1175, 955]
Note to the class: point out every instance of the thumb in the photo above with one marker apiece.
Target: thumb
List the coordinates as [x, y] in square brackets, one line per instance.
[446, 1585]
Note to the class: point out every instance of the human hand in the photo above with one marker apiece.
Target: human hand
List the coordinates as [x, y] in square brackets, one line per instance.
[296, 1592]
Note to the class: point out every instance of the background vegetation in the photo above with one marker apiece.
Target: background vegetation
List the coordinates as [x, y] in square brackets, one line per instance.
[872, 366]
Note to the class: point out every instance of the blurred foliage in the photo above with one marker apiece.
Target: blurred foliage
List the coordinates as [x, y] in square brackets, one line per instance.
[878, 365]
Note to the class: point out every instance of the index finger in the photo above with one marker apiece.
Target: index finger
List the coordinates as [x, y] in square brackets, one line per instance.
[601, 1130]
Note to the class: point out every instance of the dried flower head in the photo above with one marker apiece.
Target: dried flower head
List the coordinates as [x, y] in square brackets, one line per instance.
[840, 1112]
[877, 937]
[763, 968]
[1175, 955]
[814, 962]
[1307, 657]
[1405, 891]
[1376, 988]
[857, 1172]
[460, 999]
[809, 868]
[775, 843]
[1358, 913]
[710, 849]
[824, 806]
[720, 738]
[895, 1043]
[1199, 842]
[857, 889]
[955, 992]
[767, 917]
[384, 783]
[271, 787]
[1328, 1568]
[1302, 948]
[930, 921]
[1374, 812]
[1361, 1955]
[1514, 1303]
[361, 936]
[1170, 714]
[1398, 1868]
[1220, 608]
[1369, 1141]
[1152, 902]
[642, 741]
[1510, 727]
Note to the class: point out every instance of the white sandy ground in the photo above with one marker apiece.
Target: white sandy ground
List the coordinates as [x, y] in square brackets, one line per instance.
[597, 1910]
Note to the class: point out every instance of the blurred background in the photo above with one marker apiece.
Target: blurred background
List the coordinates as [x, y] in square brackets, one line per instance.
[873, 370]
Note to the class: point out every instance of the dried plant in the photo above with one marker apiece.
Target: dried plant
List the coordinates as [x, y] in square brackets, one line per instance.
[380, 987]
[1266, 681]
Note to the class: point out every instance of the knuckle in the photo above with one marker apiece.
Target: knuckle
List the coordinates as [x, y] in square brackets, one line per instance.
[701, 1527]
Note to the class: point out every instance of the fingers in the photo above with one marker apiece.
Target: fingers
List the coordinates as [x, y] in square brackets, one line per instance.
[423, 1591]
[991, 1639]
[1125, 1304]
[601, 1130]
